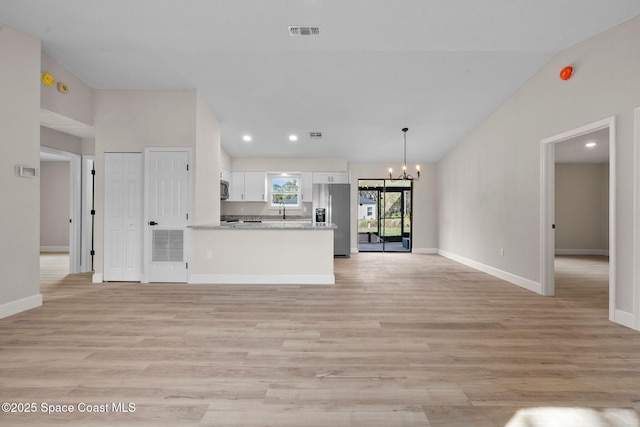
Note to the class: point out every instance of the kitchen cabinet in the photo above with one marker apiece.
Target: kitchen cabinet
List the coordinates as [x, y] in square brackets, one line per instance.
[248, 187]
[331, 177]
[225, 175]
[255, 187]
[306, 179]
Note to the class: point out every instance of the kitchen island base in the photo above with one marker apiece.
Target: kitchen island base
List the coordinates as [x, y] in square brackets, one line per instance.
[262, 256]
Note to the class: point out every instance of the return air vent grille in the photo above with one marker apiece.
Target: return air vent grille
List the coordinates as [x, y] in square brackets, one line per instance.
[304, 31]
[315, 135]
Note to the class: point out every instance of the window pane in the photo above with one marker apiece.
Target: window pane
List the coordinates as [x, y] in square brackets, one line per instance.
[284, 185]
[287, 199]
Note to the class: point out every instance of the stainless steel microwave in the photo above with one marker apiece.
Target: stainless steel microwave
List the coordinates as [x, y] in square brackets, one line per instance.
[224, 190]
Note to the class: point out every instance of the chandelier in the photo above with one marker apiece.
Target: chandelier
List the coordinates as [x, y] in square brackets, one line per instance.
[405, 175]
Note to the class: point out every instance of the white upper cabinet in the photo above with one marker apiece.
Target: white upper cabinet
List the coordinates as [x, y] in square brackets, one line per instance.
[225, 175]
[331, 177]
[236, 187]
[248, 187]
[255, 187]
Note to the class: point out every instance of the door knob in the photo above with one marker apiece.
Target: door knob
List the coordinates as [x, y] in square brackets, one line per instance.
[153, 223]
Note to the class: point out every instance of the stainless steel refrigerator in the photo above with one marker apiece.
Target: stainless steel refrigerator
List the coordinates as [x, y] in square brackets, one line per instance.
[334, 199]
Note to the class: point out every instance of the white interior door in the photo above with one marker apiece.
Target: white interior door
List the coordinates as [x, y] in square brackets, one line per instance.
[168, 194]
[123, 216]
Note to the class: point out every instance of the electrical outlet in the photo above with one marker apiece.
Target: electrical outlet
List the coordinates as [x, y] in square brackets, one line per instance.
[62, 87]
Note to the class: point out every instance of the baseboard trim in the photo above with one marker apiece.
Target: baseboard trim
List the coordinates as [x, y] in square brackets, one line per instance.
[599, 252]
[500, 274]
[429, 251]
[97, 278]
[624, 318]
[262, 279]
[54, 249]
[24, 304]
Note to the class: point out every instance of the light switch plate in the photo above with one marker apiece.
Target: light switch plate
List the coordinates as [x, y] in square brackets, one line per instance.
[27, 171]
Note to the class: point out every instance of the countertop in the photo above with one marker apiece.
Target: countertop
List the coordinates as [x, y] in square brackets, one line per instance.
[265, 225]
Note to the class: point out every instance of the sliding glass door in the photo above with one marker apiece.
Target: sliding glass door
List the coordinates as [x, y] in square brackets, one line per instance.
[384, 215]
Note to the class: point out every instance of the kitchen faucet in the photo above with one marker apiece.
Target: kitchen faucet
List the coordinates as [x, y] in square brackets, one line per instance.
[283, 210]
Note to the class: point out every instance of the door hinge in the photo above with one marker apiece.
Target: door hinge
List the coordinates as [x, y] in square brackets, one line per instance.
[187, 166]
[93, 211]
[93, 171]
[187, 216]
[92, 252]
[187, 267]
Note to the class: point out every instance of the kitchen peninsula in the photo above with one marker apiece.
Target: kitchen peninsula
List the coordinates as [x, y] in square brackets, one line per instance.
[268, 252]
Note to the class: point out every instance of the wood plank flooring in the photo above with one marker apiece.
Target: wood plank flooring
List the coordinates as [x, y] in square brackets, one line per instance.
[400, 340]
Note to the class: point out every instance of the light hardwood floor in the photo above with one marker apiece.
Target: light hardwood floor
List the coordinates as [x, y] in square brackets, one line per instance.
[400, 340]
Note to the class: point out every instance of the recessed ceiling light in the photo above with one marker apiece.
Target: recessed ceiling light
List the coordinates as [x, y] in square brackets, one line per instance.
[293, 138]
[590, 144]
[246, 138]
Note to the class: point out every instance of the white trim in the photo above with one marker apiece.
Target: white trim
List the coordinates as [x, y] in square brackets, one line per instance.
[54, 249]
[263, 279]
[547, 214]
[509, 277]
[18, 306]
[429, 251]
[624, 318]
[596, 252]
[636, 219]
[97, 278]
[87, 190]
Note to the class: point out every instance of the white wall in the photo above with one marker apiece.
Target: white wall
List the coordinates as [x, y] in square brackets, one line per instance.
[20, 136]
[289, 164]
[582, 207]
[60, 141]
[489, 184]
[425, 213]
[207, 166]
[54, 205]
[76, 104]
[129, 121]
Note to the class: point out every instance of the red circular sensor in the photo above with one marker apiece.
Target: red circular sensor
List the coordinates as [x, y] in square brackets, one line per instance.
[566, 72]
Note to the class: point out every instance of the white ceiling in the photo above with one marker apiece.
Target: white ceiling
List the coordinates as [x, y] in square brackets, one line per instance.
[574, 150]
[437, 67]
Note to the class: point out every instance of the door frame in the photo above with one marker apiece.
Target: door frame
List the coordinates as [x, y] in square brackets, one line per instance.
[75, 206]
[547, 206]
[380, 208]
[146, 235]
[636, 220]
[87, 224]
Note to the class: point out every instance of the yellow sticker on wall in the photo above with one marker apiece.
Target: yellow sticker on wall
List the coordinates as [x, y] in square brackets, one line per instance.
[47, 79]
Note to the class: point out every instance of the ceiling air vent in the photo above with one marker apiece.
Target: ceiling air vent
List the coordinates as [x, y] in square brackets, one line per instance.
[315, 135]
[304, 31]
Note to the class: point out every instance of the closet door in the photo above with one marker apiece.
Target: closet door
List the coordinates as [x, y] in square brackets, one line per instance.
[122, 217]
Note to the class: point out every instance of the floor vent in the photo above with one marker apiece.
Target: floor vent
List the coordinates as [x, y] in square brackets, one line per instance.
[315, 135]
[304, 31]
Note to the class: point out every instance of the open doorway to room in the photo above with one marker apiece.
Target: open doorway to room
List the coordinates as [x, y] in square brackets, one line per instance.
[581, 265]
[384, 215]
[577, 211]
[55, 211]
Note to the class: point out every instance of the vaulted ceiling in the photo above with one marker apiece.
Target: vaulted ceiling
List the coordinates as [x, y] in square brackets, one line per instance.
[437, 67]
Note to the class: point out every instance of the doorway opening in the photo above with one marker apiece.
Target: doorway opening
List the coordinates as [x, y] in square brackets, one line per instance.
[553, 148]
[385, 215]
